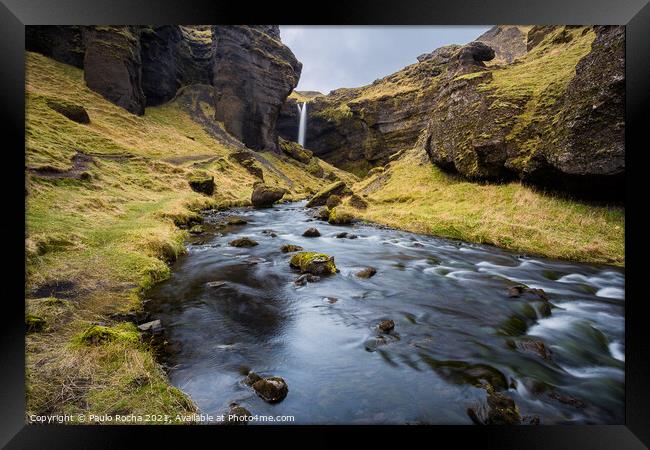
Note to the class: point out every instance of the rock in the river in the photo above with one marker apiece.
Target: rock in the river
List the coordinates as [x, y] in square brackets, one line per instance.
[290, 248]
[215, 284]
[306, 278]
[516, 291]
[313, 263]
[311, 232]
[253, 74]
[152, 327]
[72, 111]
[322, 213]
[271, 389]
[499, 410]
[320, 198]
[203, 184]
[236, 220]
[237, 415]
[264, 196]
[386, 326]
[339, 217]
[243, 242]
[367, 272]
[534, 346]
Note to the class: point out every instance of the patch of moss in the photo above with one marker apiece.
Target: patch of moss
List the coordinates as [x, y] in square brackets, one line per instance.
[99, 334]
[337, 216]
[34, 323]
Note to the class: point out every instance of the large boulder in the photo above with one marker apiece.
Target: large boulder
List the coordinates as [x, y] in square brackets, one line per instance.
[320, 198]
[252, 73]
[72, 111]
[112, 65]
[264, 196]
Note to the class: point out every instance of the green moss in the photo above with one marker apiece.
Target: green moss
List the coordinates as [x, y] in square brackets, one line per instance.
[34, 323]
[312, 262]
[339, 217]
[295, 151]
[98, 334]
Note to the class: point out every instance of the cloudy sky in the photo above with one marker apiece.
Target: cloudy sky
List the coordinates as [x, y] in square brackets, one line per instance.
[345, 56]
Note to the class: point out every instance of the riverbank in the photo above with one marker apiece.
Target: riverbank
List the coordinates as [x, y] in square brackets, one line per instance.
[411, 194]
[109, 207]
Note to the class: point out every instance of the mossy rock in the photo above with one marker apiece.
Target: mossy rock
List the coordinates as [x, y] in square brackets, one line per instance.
[99, 334]
[333, 201]
[315, 169]
[357, 202]
[202, 184]
[338, 188]
[290, 248]
[338, 217]
[323, 213]
[264, 196]
[72, 111]
[314, 263]
[295, 151]
[243, 242]
[34, 323]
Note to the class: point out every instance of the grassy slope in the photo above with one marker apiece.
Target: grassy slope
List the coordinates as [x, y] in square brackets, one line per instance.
[417, 196]
[112, 236]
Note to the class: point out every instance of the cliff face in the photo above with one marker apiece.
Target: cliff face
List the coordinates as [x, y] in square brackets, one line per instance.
[553, 116]
[251, 71]
[253, 74]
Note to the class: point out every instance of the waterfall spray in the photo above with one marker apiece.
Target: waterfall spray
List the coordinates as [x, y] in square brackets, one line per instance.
[302, 125]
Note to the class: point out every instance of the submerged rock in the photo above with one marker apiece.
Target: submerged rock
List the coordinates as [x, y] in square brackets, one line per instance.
[290, 248]
[386, 326]
[215, 284]
[243, 242]
[313, 263]
[534, 346]
[499, 410]
[311, 232]
[264, 196]
[236, 220]
[367, 272]
[306, 278]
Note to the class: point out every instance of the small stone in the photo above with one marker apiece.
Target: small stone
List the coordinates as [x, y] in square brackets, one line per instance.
[215, 284]
[306, 278]
[311, 232]
[271, 389]
[235, 220]
[290, 248]
[151, 327]
[386, 326]
[342, 235]
[367, 272]
[516, 291]
[243, 242]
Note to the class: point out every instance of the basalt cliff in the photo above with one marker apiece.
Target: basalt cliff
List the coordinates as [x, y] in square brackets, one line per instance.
[542, 104]
[249, 68]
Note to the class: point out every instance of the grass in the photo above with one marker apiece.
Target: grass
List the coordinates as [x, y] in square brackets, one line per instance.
[110, 235]
[416, 196]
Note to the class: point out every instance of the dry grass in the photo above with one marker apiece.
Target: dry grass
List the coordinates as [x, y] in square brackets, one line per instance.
[416, 196]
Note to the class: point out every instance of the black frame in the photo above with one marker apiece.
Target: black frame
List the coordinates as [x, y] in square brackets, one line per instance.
[635, 14]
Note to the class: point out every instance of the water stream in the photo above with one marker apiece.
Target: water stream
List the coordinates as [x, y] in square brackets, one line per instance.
[455, 326]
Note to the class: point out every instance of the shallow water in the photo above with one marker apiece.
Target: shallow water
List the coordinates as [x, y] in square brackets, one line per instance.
[455, 327]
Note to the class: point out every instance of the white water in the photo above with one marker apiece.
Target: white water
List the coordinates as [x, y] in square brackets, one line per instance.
[302, 126]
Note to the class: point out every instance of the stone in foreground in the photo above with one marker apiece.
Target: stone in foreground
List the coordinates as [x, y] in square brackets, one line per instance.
[311, 232]
[386, 326]
[367, 272]
[313, 263]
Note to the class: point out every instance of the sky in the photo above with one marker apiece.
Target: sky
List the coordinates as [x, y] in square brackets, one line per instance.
[352, 56]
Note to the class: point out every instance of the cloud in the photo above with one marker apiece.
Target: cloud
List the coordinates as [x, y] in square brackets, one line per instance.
[351, 56]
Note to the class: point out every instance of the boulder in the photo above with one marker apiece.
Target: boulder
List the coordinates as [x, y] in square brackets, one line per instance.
[333, 201]
[313, 263]
[357, 202]
[320, 198]
[247, 160]
[203, 184]
[367, 272]
[290, 248]
[271, 389]
[72, 111]
[295, 151]
[311, 232]
[243, 242]
[264, 196]
[339, 217]
[236, 220]
[152, 327]
[386, 326]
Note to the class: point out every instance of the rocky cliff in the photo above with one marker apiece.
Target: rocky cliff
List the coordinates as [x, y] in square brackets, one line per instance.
[548, 110]
[251, 71]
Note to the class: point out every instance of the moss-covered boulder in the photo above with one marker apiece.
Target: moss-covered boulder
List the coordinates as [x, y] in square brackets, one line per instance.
[34, 323]
[314, 263]
[295, 151]
[320, 198]
[72, 111]
[247, 160]
[339, 217]
[315, 169]
[333, 201]
[203, 184]
[264, 196]
[243, 242]
[357, 202]
[99, 334]
[290, 248]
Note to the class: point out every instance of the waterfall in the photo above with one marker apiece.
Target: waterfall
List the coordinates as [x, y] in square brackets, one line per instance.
[302, 125]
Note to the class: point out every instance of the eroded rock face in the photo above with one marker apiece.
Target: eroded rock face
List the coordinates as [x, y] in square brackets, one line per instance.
[253, 74]
[112, 65]
[62, 43]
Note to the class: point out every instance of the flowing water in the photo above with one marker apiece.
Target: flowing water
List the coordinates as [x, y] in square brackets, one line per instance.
[455, 326]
